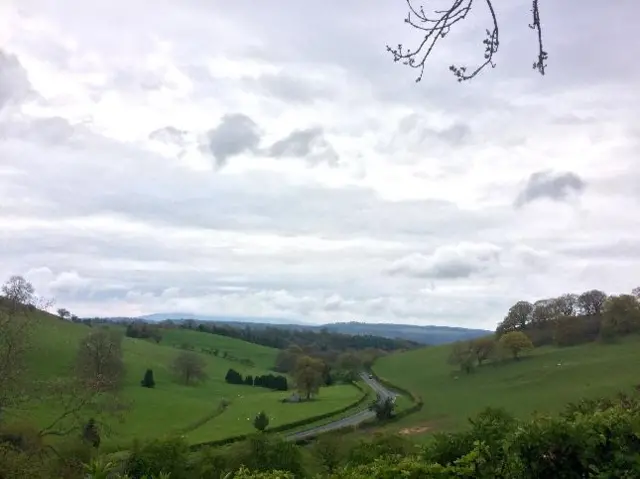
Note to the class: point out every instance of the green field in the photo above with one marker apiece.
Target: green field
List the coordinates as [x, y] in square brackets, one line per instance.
[171, 407]
[545, 381]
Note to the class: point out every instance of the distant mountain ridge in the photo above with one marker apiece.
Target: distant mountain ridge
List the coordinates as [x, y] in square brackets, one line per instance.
[429, 335]
[219, 318]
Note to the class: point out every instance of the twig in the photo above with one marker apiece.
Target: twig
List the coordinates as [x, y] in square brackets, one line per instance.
[439, 24]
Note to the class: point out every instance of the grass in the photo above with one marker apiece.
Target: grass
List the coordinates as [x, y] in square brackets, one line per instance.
[171, 407]
[351, 411]
[238, 418]
[544, 382]
[260, 355]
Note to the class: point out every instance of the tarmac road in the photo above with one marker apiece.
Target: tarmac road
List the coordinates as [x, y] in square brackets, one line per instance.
[352, 420]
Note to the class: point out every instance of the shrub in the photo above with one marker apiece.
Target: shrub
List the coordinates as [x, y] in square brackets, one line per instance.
[167, 456]
[261, 421]
[147, 380]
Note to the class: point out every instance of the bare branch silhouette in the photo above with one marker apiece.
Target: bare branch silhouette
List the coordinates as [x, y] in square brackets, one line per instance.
[438, 24]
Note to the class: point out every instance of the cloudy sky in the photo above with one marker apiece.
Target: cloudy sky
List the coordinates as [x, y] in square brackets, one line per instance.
[270, 159]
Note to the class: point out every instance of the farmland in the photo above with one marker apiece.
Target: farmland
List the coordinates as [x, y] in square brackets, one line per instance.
[172, 407]
[545, 381]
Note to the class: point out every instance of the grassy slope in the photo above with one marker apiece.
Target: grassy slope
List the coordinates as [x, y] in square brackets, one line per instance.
[260, 355]
[171, 407]
[544, 382]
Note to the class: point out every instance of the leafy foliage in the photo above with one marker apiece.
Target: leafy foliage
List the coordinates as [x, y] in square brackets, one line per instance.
[515, 343]
[574, 319]
[140, 329]
[269, 381]
[308, 375]
[189, 368]
[261, 421]
[383, 407]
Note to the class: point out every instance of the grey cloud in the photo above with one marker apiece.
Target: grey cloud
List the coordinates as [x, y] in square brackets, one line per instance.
[292, 89]
[309, 144]
[550, 185]
[50, 130]
[236, 134]
[169, 134]
[126, 79]
[257, 201]
[621, 249]
[454, 135]
[448, 262]
[14, 81]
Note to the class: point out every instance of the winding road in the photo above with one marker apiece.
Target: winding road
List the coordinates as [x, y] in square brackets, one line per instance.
[353, 420]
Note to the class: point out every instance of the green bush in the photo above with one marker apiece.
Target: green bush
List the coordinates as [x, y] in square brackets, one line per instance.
[169, 456]
[147, 380]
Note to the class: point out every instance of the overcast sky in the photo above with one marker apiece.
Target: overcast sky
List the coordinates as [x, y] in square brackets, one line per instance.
[270, 159]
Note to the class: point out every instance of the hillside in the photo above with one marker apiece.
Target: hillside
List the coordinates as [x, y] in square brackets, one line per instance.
[171, 407]
[428, 334]
[544, 381]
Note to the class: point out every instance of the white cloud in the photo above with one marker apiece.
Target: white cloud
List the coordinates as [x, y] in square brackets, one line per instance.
[239, 160]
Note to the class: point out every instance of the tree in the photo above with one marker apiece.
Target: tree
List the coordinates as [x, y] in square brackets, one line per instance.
[261, 421]
[233, 377]
[91, 433]
[518, 317]
[435, 26]
[286, 361]
[515, 342]
[543, 312]
[565, 305]
[189, 367]
[147, 380]
[349, 361]
[592, 302]
[17, 322]
[308, 375]
[99, 360]
[77, 400]
[462, 355]
[17, 291]
[621, 315]
[482, 348]
[636, 292]
[329, 450]
[63, 313]
[383, 407]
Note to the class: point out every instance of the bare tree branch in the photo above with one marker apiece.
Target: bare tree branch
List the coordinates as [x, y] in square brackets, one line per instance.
[438, 24]
[78, 402]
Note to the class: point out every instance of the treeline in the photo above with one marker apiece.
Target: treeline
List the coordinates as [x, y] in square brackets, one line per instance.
[269, 381]
[590, 439]
[574, 319]
[567, 320]
[333, 366]
[142, 330]
[282, 338]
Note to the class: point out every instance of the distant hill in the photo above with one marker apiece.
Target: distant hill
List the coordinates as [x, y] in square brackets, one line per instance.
[430, 335]
[421, 334]
[219, 319]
